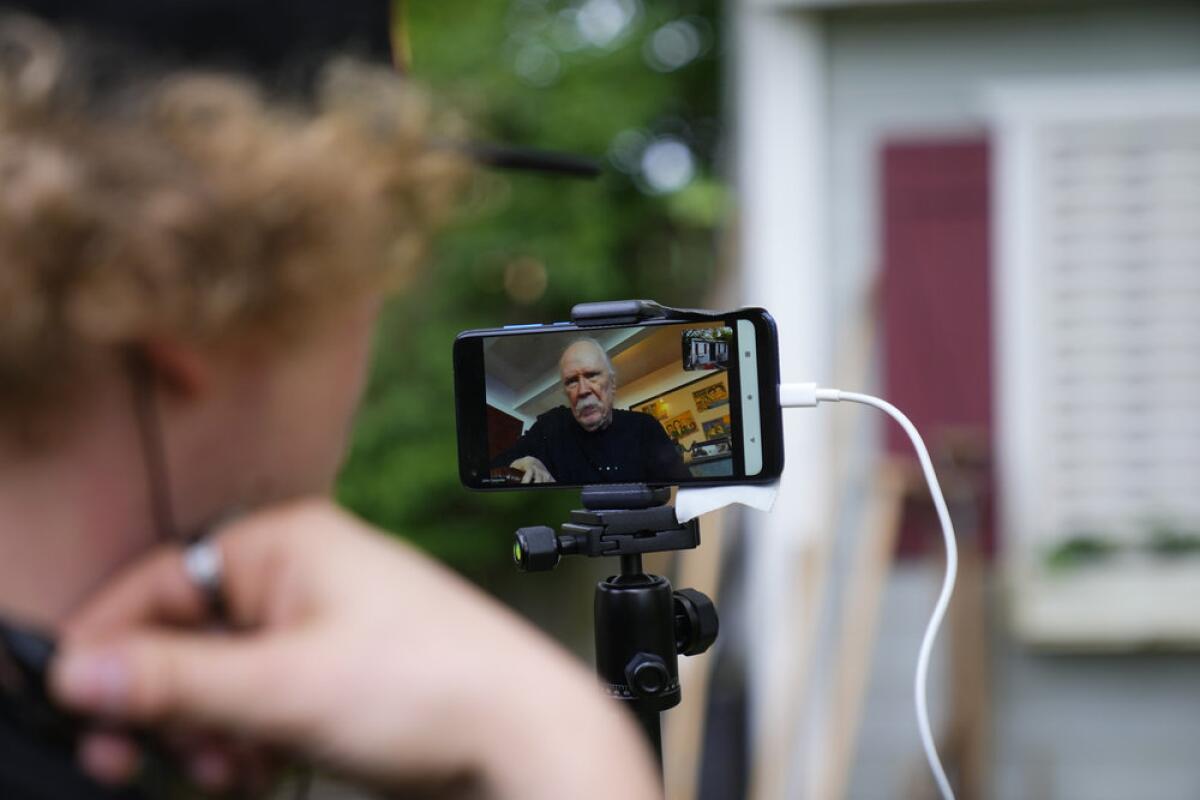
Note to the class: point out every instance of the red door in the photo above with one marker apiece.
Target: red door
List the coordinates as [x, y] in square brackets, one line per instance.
[937, 312]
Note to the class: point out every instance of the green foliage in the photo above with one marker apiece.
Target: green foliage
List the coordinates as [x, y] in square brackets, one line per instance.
[529, 246]
[1161, 540]
[1079, 550]
[1168, 541]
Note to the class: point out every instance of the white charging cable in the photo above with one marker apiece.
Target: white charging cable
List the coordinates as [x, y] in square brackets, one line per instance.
[807, 395]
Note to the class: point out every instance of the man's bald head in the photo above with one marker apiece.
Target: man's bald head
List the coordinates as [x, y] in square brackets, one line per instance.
[590, 383]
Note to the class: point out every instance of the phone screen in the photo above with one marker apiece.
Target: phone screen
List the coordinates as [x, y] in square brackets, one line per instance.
[661, 403]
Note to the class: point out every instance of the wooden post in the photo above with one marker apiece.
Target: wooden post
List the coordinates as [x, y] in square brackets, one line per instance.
[683, 726]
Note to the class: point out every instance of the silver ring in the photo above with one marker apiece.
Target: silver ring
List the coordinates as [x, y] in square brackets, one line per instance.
[204, 568]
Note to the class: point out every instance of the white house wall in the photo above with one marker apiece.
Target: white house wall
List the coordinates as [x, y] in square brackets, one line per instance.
[817, 94]
[781, 156]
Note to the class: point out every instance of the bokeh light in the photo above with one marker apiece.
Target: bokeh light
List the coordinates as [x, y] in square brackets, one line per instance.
[673, 46]
[667, 165]
[625, 151]
[537, 64]
[603, 22]
[525, 280]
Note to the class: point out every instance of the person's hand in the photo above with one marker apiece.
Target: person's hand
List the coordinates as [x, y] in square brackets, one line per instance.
[352, 650]
[535, 471]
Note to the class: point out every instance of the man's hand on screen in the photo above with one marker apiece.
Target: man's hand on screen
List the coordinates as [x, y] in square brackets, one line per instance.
[535, 471]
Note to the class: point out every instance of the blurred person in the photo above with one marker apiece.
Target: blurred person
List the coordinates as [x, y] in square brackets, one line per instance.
[189, 273]
[589, 441]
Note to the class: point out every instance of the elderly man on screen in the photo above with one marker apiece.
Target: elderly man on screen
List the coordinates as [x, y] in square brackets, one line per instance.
[589, 441]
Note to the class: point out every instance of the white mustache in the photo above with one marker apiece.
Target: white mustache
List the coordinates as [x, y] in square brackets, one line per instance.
[589, 403]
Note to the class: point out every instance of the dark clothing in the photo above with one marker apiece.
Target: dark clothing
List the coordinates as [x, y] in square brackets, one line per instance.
[35, 772]
[38, 742]
[634, 448]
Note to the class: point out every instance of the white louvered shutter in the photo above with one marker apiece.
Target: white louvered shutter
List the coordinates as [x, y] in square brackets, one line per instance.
[1098, 334]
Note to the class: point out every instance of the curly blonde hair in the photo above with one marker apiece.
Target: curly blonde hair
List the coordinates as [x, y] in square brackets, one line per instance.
[189, 205]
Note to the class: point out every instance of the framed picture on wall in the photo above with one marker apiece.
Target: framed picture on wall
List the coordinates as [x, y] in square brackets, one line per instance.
[716, 428]
[683, 397]
[681, 426]
[711, 396]
[656, 409]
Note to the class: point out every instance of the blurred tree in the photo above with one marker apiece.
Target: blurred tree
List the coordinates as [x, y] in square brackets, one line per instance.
[633, 83]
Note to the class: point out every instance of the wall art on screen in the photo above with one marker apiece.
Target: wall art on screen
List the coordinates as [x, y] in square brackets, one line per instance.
[656, 409]
[717, 428]
[711, 396]
[681, 426]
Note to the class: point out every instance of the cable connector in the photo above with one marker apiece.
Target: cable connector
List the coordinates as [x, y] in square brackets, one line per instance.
[806, 395]
[797, 395]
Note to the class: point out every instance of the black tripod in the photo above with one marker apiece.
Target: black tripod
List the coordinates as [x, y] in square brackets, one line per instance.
[641, 624]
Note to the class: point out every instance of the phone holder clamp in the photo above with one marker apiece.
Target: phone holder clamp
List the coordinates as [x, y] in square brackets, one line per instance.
[596, 532]
[629, 312]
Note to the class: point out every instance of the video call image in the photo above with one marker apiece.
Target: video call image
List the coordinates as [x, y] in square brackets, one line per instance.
[639, 404]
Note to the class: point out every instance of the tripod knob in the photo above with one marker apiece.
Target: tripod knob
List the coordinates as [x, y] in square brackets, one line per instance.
[696, 622]
[647, 675]
[536, 549]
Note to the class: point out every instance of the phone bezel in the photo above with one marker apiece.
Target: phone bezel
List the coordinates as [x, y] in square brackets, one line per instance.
[471, 409]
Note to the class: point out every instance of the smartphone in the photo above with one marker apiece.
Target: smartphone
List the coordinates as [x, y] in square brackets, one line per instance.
[660, 402]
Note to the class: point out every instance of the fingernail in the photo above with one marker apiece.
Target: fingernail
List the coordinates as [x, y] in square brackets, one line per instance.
[211, 770]
[98, 680]
[108, 760]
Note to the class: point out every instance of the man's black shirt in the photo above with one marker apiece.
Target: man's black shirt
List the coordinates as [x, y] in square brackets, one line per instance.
[632, 449]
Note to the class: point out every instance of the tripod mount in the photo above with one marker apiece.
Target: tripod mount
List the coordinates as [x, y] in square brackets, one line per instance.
[642, 625]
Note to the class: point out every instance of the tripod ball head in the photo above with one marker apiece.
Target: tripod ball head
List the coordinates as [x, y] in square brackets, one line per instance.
[536, 549]
[696, 622]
